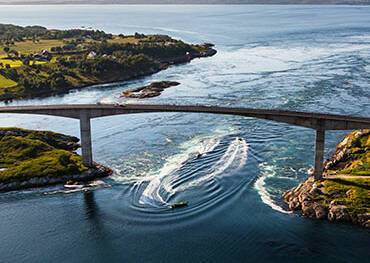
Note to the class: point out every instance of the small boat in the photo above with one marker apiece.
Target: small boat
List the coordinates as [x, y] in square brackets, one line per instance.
[179, 205]
[73, 185]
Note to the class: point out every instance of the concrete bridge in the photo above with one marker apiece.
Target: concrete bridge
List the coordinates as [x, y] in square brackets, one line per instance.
[85, 112]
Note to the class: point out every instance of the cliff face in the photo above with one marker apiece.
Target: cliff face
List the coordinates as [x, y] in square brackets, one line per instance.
[344, 194]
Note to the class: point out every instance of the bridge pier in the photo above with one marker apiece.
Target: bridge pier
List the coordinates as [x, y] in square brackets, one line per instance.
[319, 153]
[85, 130]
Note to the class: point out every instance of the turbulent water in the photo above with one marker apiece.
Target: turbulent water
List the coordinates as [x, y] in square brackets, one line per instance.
[231, 170]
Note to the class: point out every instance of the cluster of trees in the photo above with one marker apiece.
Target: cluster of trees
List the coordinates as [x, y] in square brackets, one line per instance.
[70, 45]
[33, 82]
[127, 65]
[18, 33]
[159, 38]
[79, 33]
[9, 73]
[155, 50]
[11, 33]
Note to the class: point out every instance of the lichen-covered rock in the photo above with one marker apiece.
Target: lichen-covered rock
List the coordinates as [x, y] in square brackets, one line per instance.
[364, 218]
[307, 209]
[152, 90]
[320, 210]
[338, 213]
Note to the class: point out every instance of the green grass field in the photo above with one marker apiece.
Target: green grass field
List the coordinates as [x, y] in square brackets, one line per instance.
[6, 83]
[124, 40]
[13, 63]
[29, 47]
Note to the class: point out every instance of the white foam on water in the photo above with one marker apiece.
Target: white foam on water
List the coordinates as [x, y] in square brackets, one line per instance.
[151, 194]
[260, 186]
[367, 68]
[233, 159]
[163, 183]
[254, 60]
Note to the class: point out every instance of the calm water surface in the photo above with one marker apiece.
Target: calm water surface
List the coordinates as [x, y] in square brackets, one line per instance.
[306, 58]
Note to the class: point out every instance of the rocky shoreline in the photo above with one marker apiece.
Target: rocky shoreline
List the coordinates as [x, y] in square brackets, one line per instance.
[98, 171]
[344, 193]
[307, 198]
[154, 89]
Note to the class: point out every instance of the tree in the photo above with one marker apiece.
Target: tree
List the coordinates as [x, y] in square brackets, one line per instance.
[13, 53]
[6, 50]
[26, 61]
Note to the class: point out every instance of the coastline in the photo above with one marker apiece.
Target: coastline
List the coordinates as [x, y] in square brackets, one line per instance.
[98, 171]
[117, 78]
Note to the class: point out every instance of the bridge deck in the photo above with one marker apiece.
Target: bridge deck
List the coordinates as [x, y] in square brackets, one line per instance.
[305, 119]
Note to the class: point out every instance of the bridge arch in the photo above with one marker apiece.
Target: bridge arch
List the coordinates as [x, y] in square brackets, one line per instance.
[85, 112]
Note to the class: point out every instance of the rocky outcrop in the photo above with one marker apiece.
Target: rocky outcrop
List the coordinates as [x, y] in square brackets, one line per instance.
[153, 90]
[313, 201]
[61, 141]
[344, 194]
[31, 158]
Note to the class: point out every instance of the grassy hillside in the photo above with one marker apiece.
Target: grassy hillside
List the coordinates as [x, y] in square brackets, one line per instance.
[25, 154]
[352, 155]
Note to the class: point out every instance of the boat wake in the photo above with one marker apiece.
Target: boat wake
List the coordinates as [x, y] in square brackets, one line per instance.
[268, 171]
[205, 160]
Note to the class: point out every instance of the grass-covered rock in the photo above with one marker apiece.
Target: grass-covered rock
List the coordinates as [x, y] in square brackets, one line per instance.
[352, 155]
[26, 154]
[344, 193]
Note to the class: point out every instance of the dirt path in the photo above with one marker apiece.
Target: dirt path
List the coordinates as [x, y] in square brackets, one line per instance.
[344, 176]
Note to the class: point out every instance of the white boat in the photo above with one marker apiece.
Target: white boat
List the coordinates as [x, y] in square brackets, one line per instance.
[73, 185]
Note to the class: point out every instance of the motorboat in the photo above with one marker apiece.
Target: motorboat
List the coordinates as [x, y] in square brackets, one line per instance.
[179, 204]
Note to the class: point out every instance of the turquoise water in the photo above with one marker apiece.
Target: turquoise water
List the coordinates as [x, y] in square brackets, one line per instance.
[306, 58]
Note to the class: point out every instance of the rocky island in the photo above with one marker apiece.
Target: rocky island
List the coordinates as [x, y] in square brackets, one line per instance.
[344, 193]
[38, 158]
[152, 90]
[36, 61]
